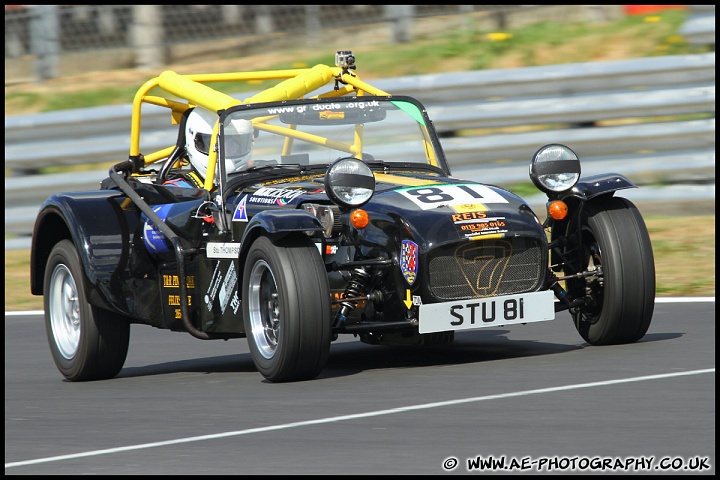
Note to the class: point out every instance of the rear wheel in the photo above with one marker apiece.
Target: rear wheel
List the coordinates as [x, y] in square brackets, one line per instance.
[620, 296]
[86, 342]
[286, 308]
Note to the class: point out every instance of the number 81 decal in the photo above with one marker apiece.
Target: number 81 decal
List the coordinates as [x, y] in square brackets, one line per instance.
[427, 197]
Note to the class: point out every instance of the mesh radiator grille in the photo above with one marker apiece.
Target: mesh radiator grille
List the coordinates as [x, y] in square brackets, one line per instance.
[486, 268]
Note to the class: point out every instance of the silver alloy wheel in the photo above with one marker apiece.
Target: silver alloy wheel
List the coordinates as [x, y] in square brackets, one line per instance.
[263, 309]
[64, 311]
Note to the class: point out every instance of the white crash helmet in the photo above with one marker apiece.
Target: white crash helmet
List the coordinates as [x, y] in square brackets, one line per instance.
[238, 141]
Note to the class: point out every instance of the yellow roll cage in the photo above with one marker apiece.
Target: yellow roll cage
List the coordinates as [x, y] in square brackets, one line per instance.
[296, 84]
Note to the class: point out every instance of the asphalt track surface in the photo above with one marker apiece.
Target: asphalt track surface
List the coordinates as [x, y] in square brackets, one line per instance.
[536, 395]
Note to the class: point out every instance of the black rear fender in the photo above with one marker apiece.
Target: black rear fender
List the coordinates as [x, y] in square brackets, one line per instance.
[100, 228]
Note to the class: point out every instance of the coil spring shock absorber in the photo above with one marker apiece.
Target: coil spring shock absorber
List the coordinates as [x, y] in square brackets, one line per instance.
[354, 292]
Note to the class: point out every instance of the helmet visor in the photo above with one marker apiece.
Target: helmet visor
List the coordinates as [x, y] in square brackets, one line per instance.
[202, 142]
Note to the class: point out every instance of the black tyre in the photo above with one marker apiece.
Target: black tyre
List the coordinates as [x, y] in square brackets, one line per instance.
[86, 342]
[286, 308]
[615, 243]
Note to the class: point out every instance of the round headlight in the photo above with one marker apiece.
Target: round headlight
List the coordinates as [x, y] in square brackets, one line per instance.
[349, 182]
[310, 207]
[327, 219]
[555, 168]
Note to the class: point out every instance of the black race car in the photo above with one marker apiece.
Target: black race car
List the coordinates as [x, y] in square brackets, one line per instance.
[347, 220]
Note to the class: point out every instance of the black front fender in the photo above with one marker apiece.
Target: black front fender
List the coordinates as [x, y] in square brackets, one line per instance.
[590, 187]
[278, 223]
[587, 189]
[283, 221]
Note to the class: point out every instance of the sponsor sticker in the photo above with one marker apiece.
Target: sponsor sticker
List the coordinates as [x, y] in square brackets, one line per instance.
[332, 115]
[301, 178]
[213, 287]
[228, 287]
[409, 260]
[275, 196]
[468, 216]
[240, 214]
[155, 240]
[223, 250]
[485, 227]
[173, 281]
[468, 207]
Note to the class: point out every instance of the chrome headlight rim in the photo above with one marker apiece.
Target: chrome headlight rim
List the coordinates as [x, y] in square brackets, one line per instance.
[555, 169]
[327, 215]
[349, 183]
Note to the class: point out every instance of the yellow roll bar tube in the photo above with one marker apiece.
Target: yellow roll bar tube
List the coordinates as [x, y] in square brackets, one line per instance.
[296, 84]
[297, 87]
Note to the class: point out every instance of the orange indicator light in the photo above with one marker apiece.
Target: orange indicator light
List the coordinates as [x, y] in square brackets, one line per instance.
[359, 218]
[557, 209]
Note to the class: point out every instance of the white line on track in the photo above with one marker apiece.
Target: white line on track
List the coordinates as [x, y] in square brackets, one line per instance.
[356, 416]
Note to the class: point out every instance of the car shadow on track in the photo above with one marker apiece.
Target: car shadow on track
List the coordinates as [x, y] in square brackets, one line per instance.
[351, 358]
[240, 363]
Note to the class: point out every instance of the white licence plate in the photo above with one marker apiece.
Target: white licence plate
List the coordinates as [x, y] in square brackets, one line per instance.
[487, 312]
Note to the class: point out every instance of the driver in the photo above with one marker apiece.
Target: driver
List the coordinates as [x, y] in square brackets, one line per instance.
[198, 131]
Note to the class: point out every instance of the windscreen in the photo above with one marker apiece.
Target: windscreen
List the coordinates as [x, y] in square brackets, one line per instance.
[317, 132]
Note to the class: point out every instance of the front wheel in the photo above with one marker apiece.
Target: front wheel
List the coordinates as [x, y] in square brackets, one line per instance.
[619, 287]
[286, 308]
[86, 342]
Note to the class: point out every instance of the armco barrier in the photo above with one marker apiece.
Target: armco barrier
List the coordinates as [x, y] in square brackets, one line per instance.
[588, 106]
[699, 28]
